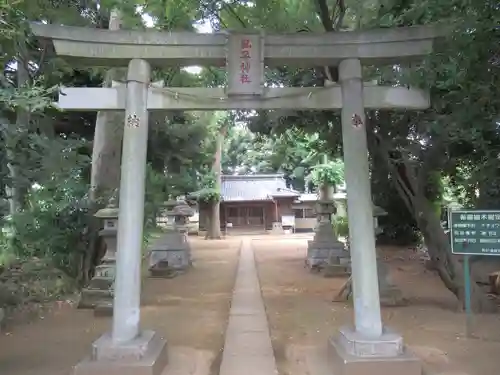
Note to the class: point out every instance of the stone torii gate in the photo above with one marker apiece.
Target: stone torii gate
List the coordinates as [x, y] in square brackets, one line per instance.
[367, 347]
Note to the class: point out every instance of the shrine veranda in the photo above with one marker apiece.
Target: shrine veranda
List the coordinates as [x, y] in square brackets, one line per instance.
[366, 347]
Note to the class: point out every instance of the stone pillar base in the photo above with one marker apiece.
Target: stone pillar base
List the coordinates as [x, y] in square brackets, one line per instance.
[353, 354]
[146, 355]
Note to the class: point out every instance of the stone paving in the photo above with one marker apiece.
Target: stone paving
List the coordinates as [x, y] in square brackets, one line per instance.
[247, 348]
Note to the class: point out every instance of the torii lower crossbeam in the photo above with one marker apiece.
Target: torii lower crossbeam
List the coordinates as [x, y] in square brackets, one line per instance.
[311, 98]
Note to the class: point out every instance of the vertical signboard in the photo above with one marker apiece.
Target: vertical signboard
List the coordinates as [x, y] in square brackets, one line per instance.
[475, 232]
[245, 66]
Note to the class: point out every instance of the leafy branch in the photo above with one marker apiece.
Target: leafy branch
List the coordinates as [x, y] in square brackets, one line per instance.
[331, 173]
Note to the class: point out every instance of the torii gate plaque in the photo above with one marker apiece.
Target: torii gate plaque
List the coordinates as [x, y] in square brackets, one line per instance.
[364, 349]
[245, 64]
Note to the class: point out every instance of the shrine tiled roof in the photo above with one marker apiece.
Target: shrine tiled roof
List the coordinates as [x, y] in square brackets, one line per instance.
[258, 187]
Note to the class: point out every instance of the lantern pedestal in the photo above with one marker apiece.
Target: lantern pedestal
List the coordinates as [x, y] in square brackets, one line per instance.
[325, 251]
[171, 253]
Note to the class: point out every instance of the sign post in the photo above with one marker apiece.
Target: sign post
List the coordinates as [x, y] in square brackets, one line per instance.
[473, 232]
[467, 286]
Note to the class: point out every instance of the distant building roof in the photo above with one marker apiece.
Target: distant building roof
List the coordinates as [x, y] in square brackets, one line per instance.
[257, 187]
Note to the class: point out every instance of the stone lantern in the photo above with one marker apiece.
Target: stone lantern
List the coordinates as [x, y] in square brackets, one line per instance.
[325, 250]
[171, 252]
[99, 293]
[181, 214]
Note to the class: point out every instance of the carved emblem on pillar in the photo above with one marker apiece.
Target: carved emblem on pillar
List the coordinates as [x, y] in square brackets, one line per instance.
[357, 122]
[133, 121]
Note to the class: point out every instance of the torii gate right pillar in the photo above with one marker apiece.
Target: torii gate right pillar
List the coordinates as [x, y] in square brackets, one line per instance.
[368, 348]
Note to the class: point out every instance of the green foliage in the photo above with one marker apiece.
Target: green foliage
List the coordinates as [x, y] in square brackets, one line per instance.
[209, 192]
[208, 195]
[463, 76]
[54, 220]
[156, 194]
[292, 152]
[330, 173]
[32, 98]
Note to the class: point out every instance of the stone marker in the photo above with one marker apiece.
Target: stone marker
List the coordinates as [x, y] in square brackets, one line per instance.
[390, 294]
[99, 293]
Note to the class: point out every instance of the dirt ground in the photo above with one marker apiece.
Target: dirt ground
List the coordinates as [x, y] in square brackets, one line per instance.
[191, 311]
[302, 315]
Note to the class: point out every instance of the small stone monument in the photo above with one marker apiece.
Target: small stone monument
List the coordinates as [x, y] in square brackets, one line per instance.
[99, 293]
[171, 252]
[390, 294]
[325, 250]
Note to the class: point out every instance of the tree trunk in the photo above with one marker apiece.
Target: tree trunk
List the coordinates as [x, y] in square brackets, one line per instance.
[13, 190]
[411, 186]
[106, 155]
[214, 231]
[106, 152]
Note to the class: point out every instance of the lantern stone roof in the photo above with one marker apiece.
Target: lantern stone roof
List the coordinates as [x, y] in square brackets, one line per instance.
[107, 213]
[182, 210]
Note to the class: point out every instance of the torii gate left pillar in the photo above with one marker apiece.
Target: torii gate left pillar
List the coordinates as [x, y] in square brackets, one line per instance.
[127, 348]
